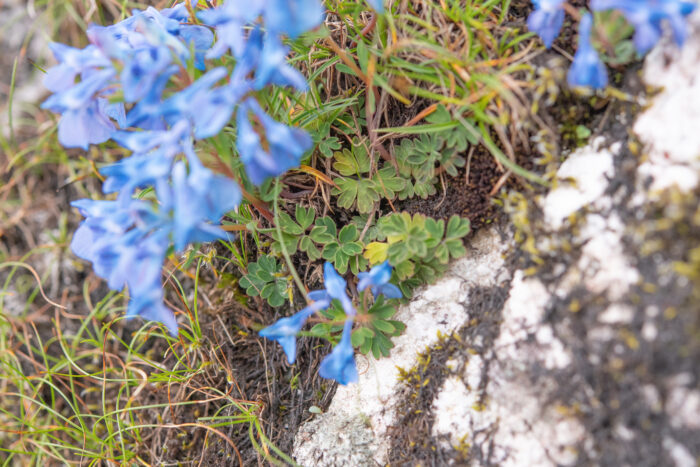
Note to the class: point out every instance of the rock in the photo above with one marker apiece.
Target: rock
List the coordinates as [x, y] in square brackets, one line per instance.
[585, 359]
[364, 411]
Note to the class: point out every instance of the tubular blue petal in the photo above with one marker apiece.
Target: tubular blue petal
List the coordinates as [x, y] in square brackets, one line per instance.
[78, 128]
[546, 20]
[587, 69]
[285, 330]
[388, 290]
[292, 17]
[340, 363]
[378, 280]
[377, 5]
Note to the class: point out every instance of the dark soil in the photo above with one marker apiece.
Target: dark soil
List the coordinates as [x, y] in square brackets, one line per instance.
[250, 370]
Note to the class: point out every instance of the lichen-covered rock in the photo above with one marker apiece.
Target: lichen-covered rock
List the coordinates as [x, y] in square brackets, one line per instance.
[578, 347]
[367, 410]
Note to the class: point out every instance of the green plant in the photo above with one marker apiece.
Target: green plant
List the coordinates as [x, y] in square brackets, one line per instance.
[265, 279]
[422, 159]
[375, 328]
[293, 232]
[358, 189]
[418, 247]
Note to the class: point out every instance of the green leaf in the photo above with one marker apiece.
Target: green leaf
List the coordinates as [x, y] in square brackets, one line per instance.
[355, 162]
[362, 55]
[383, 326]
[425, 188]
[442, 253]
[381, 309]
[348, 233]
[387, 183]
[366, 196]
[361, 222]
[398, 326]
[357, 339]
[288, 225]
[330, 250]
[417, 241]
[264, 278]
[305, 216]
[455, 247]
[328, 145]
[346, 191]
[324, 231]
[376, 349]
[359, 335]
[321, 329]
[269, 264]
[307, 245]
[395, 225]
[441, 115]
[404, 270]
[457, 227]
[351, 249]
[358, 264]
[435, 230]
[366, 346]
[341, 262]
[290, 243]
[398, 253]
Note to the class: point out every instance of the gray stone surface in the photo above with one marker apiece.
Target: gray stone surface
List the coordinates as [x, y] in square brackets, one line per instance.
[502, 402]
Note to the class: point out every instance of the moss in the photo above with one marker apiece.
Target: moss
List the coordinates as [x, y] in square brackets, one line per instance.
[414, 443]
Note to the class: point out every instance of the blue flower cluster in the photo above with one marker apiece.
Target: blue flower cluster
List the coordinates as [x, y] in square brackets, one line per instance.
[340, 363]
[647, 17]
[131, 85]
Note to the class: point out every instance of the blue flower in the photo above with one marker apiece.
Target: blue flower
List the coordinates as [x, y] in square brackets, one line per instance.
[83, 121]
[285, 330]
[109, 237]
[149, 305]
[546, 20]
[335, 287]
[209, 110]
[170, 142]
[377, 5]
[135, 172]
[201, 40]
[145, 286]
[378, 279]
[274, 69]
[197, 200]
[285, 145]
[647, 15]
[146, 113]
[118, 40]
[340, 363]
[72, 62]
[292, 17]
[587, 69]
[126, 243]
[141, 71]
[229, 20]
